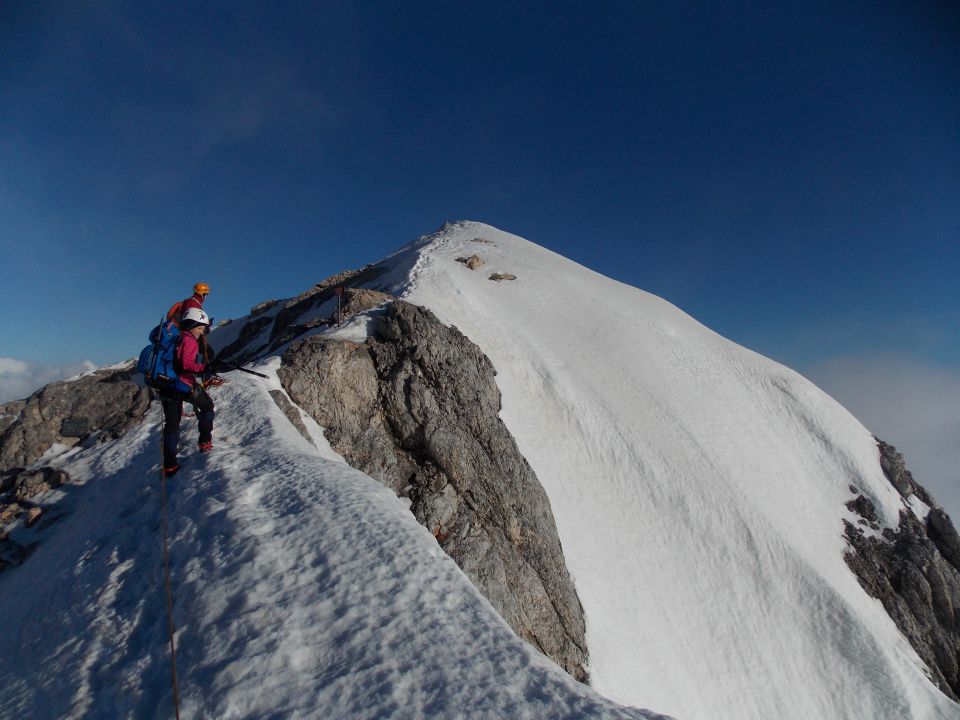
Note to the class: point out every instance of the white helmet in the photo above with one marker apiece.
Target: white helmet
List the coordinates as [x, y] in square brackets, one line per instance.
[193, 317]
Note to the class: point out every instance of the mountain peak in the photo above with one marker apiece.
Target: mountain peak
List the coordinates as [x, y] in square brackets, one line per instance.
[702, 498]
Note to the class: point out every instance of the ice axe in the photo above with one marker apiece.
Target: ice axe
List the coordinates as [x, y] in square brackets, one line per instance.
[231, 366]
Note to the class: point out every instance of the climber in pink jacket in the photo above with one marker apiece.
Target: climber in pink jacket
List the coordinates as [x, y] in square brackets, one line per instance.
[189, 364]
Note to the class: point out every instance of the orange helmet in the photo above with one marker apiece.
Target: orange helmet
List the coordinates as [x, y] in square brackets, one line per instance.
[201, 288]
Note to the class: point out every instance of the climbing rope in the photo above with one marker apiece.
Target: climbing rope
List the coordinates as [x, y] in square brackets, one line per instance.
[166, 575]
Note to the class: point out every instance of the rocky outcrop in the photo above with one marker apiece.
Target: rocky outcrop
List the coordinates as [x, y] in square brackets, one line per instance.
[293, 415]
[9, 413]
[18, 488]
[472, 262]
[497, 277]
[417, 408]
[241, 350]
[107, 399]
[914, 571]
[286, 324]
[30, 483]
[105, 404]
[261, 308]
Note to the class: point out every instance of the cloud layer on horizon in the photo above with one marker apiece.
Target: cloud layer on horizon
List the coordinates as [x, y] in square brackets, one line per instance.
[18, 379]
[911, 404]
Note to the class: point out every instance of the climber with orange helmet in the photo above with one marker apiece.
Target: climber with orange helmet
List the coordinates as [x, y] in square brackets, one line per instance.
[178, 310]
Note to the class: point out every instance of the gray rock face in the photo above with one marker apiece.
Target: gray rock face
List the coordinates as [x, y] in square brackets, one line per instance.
[417, 408]
[914, 572]
[8, 414]
[284, 326]
[107, 399]
[109, 404]
[28, 484]
[288, 409]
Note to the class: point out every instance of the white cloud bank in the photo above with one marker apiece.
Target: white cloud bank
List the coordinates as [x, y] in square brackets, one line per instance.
[910, 404]
[18, 378]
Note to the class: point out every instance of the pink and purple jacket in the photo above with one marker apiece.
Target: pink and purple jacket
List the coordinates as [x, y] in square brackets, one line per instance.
[189, 359]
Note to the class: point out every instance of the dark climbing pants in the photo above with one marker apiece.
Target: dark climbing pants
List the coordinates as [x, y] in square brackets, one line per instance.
[172, 411]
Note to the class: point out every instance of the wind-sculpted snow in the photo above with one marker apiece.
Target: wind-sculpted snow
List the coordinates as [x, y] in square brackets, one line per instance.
[701, 495]
[699, 492]
[416, 406]
[302, 588]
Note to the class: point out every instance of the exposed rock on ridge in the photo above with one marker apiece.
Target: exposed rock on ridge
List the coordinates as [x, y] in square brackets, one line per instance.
[417, 407]
[109, 401]
[914, 571]
[106, 399]
[284, 325]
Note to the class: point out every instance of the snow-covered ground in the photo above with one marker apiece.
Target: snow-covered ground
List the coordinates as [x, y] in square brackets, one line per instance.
[303, 589]
[698, 489]
[699, 492]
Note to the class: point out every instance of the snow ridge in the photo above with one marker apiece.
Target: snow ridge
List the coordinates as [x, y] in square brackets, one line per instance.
[699, 492]
[302, 588]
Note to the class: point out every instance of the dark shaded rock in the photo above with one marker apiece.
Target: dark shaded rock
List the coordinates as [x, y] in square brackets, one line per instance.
[895, 468]
[238, 351]
[9, 412]
[108, 399]
[353, 302]
[8, 477]
[12, 553]
[33, 516]
[944, 536]
[864, 508]
[31, 483]
[293, 415]
[417, 407]
[9, 512]
[285, 325]
[320, 293]
[913, 571]
[261, 308]
[497, 277]
[292, 332]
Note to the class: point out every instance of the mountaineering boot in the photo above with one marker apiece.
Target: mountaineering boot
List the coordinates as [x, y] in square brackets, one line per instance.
[205, 447]
[170, 471]
[213, 381]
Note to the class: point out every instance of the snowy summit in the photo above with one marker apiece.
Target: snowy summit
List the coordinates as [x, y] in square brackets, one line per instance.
[684, 540]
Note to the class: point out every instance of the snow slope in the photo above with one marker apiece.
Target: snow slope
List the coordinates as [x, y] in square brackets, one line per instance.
[698, 489]
[699, 493]
[303, 589]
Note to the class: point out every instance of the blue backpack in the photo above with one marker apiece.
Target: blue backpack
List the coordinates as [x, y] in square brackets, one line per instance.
[157, 360]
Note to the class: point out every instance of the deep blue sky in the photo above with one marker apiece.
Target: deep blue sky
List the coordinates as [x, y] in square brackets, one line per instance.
[787, 173]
